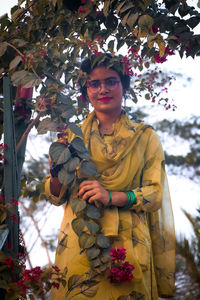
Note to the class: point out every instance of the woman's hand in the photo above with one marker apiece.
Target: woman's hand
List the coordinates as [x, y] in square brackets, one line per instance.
[92, 190]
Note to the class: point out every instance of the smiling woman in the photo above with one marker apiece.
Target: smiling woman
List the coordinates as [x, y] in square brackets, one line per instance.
[131, 190]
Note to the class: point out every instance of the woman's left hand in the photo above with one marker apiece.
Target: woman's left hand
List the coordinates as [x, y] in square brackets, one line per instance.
[92, 190]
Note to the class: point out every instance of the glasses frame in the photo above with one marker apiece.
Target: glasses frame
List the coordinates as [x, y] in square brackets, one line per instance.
[96, 90]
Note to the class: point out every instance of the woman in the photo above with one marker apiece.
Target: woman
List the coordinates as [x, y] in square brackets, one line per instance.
[132, 187]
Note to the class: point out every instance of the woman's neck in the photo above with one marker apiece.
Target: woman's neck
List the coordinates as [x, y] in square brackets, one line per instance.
[106, 121]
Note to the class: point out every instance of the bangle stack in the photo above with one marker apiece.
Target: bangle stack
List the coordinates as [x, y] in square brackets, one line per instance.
[131, 199]
[110, 199]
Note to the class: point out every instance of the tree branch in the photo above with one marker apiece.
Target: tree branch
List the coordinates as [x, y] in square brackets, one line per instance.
[25, 134]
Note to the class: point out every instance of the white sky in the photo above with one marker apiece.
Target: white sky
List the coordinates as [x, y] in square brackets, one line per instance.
[184, 192]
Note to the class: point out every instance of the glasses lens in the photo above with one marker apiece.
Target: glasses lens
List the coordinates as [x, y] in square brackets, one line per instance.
[95, 85]
[111, 83]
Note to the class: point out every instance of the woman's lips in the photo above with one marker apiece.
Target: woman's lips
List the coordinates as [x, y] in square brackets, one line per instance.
[105, 99]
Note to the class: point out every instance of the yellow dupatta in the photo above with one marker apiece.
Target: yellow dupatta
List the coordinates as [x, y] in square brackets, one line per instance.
[118, 162]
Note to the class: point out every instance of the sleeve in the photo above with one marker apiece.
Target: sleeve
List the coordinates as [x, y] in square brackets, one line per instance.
[62, 198]
[150, 190]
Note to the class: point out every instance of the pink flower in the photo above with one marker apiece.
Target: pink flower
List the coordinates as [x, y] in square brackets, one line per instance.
[55, 284]
[118, 254]
[97, 53]
[159, 59]
[14, 201]
[56, 269]
[132, 50]
[82, 10]
[14, 217]
[169, 51]
[154, 29]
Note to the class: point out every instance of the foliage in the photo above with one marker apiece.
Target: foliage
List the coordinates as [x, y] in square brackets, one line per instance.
[53, 36]
[190, 251]
[188, 131]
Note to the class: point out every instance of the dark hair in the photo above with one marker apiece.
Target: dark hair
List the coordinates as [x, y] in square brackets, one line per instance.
[108, 61]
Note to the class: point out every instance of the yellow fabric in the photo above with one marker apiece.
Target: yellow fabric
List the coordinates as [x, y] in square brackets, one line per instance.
[131, 158]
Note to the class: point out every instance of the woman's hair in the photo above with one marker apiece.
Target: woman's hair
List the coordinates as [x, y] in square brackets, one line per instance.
[108, 61]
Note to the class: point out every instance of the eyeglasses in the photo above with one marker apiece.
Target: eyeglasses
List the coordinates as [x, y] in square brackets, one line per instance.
[95, 85]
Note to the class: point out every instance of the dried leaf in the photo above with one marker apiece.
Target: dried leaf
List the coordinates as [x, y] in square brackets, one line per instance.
[86, 240]
[15, 62]
[3, 48]
[74, 281]
[93, 252]
[89, 291]
[78, 225]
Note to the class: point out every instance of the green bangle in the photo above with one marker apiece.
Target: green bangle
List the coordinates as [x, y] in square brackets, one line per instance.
[131, 199]
[110, 199]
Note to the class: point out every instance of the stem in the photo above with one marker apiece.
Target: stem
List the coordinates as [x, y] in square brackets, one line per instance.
[38, 231]
[19, 52]
[25, 10]
[26, 132]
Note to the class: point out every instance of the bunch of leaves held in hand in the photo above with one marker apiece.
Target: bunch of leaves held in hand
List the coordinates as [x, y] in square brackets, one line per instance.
[70, 158]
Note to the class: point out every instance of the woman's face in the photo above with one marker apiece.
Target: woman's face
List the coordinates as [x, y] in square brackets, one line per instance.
[105, 90]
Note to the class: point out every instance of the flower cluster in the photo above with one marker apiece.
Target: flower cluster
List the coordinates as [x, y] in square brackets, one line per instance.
[161, 59]
[128, 69]
[121, 271]
[3, 147]
[35, 281]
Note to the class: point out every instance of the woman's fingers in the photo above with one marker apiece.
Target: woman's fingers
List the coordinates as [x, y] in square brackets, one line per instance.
[92, 190]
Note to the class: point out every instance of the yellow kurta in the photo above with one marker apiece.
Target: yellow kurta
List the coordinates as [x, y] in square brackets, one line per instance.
[131, 158]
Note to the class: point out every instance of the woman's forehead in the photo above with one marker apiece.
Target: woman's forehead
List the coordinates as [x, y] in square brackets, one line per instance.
[102, 72]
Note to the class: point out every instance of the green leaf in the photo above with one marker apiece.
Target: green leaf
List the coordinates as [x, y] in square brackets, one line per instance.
[15, 62]
[77, 205]
[68, 113]
[93, 212]
[92, 253]
[64, 156]
[86, 240]
[26, 79]
[59, 153]
[78, 225]
[147, 97]
[92, 226]
[46, 125]
[88, 168]
[76, 129]
[103, 241]
[3, 284]
[72, 164]
[3, 48]
[111, 45]
[78, 144]
[89, 291]
[74, 281]
[64, 177]
[85, 155]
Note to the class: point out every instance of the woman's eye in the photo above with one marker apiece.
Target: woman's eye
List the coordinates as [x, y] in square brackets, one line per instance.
[111, 82]
[94, 84]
